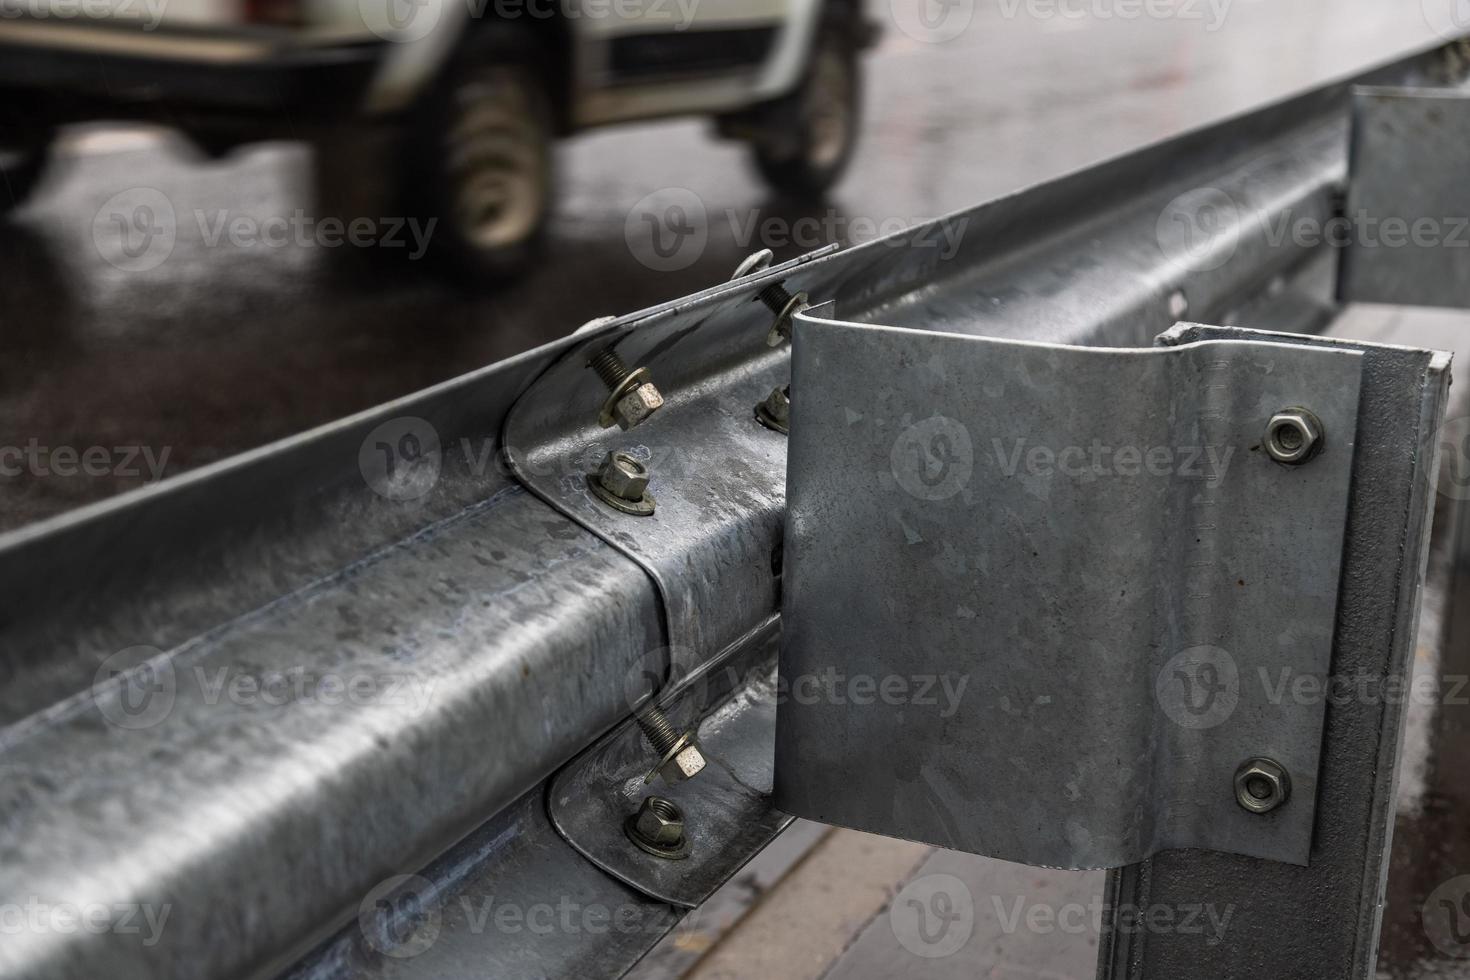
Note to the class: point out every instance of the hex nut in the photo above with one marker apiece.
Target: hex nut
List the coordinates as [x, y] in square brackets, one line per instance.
[637, 405]
[775, 412]
[685, 763]
[623, 476]
[1262, 785]
[658, 828]
[1294, 436]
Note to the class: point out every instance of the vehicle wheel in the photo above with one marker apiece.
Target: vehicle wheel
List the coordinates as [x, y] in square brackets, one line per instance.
[20, 171]
[482, 163]
[812, 132]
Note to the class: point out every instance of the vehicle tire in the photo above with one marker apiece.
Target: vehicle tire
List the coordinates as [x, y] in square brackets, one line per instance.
[810, 134]
[21, 169]
[481, 162]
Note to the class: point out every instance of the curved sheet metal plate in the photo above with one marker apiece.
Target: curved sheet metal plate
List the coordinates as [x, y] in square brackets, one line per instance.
[727, 808]
[1041, 602]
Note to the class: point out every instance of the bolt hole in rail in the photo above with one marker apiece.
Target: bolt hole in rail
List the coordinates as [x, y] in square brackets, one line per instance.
[610, 695]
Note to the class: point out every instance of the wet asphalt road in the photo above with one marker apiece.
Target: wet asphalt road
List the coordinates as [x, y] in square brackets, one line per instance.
[221, 347]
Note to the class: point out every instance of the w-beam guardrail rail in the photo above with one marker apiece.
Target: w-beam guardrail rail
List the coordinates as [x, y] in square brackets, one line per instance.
[324, 701]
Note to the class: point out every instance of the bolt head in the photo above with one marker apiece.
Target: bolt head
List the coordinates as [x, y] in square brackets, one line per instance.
[623, 476]
[687, 763]
[637, 405]
[754, 262]
[659, 822]
[1262, 785]
[1293, 436]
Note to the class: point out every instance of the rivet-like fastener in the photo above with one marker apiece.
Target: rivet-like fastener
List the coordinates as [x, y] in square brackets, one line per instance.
[775, 297]
[1293, 436]
[631, 395]
[622, 483]
[679, 755]
[658, 828]
[1262, 785]
[753, 263]
[775, 412]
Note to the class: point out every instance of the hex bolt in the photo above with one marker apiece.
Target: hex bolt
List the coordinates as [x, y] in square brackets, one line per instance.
[632, 397]
[775, 297]
[1262, 785]
[679, 755]
[1294, 436]
[658, 829]
[785, 306]
[621, 482]
[775, 412]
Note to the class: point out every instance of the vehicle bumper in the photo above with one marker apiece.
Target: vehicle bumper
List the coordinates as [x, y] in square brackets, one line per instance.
[105, 71]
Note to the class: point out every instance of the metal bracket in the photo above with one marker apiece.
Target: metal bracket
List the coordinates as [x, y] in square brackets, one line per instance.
[1043, 603]
[718, 474]
[727, 809]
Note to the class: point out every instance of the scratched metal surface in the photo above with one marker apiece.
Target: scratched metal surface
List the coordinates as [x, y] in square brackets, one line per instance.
[973, 518]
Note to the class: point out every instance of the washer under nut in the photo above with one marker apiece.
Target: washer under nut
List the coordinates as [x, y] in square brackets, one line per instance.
[622, 483]
[1262, 785]
[658, 829]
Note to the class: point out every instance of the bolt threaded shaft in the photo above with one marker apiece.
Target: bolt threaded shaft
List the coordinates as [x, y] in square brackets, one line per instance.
[775, 297]
[657, 729]
[609, 367]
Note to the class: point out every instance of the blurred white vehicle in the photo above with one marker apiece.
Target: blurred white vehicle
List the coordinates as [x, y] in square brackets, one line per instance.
[467, 95]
